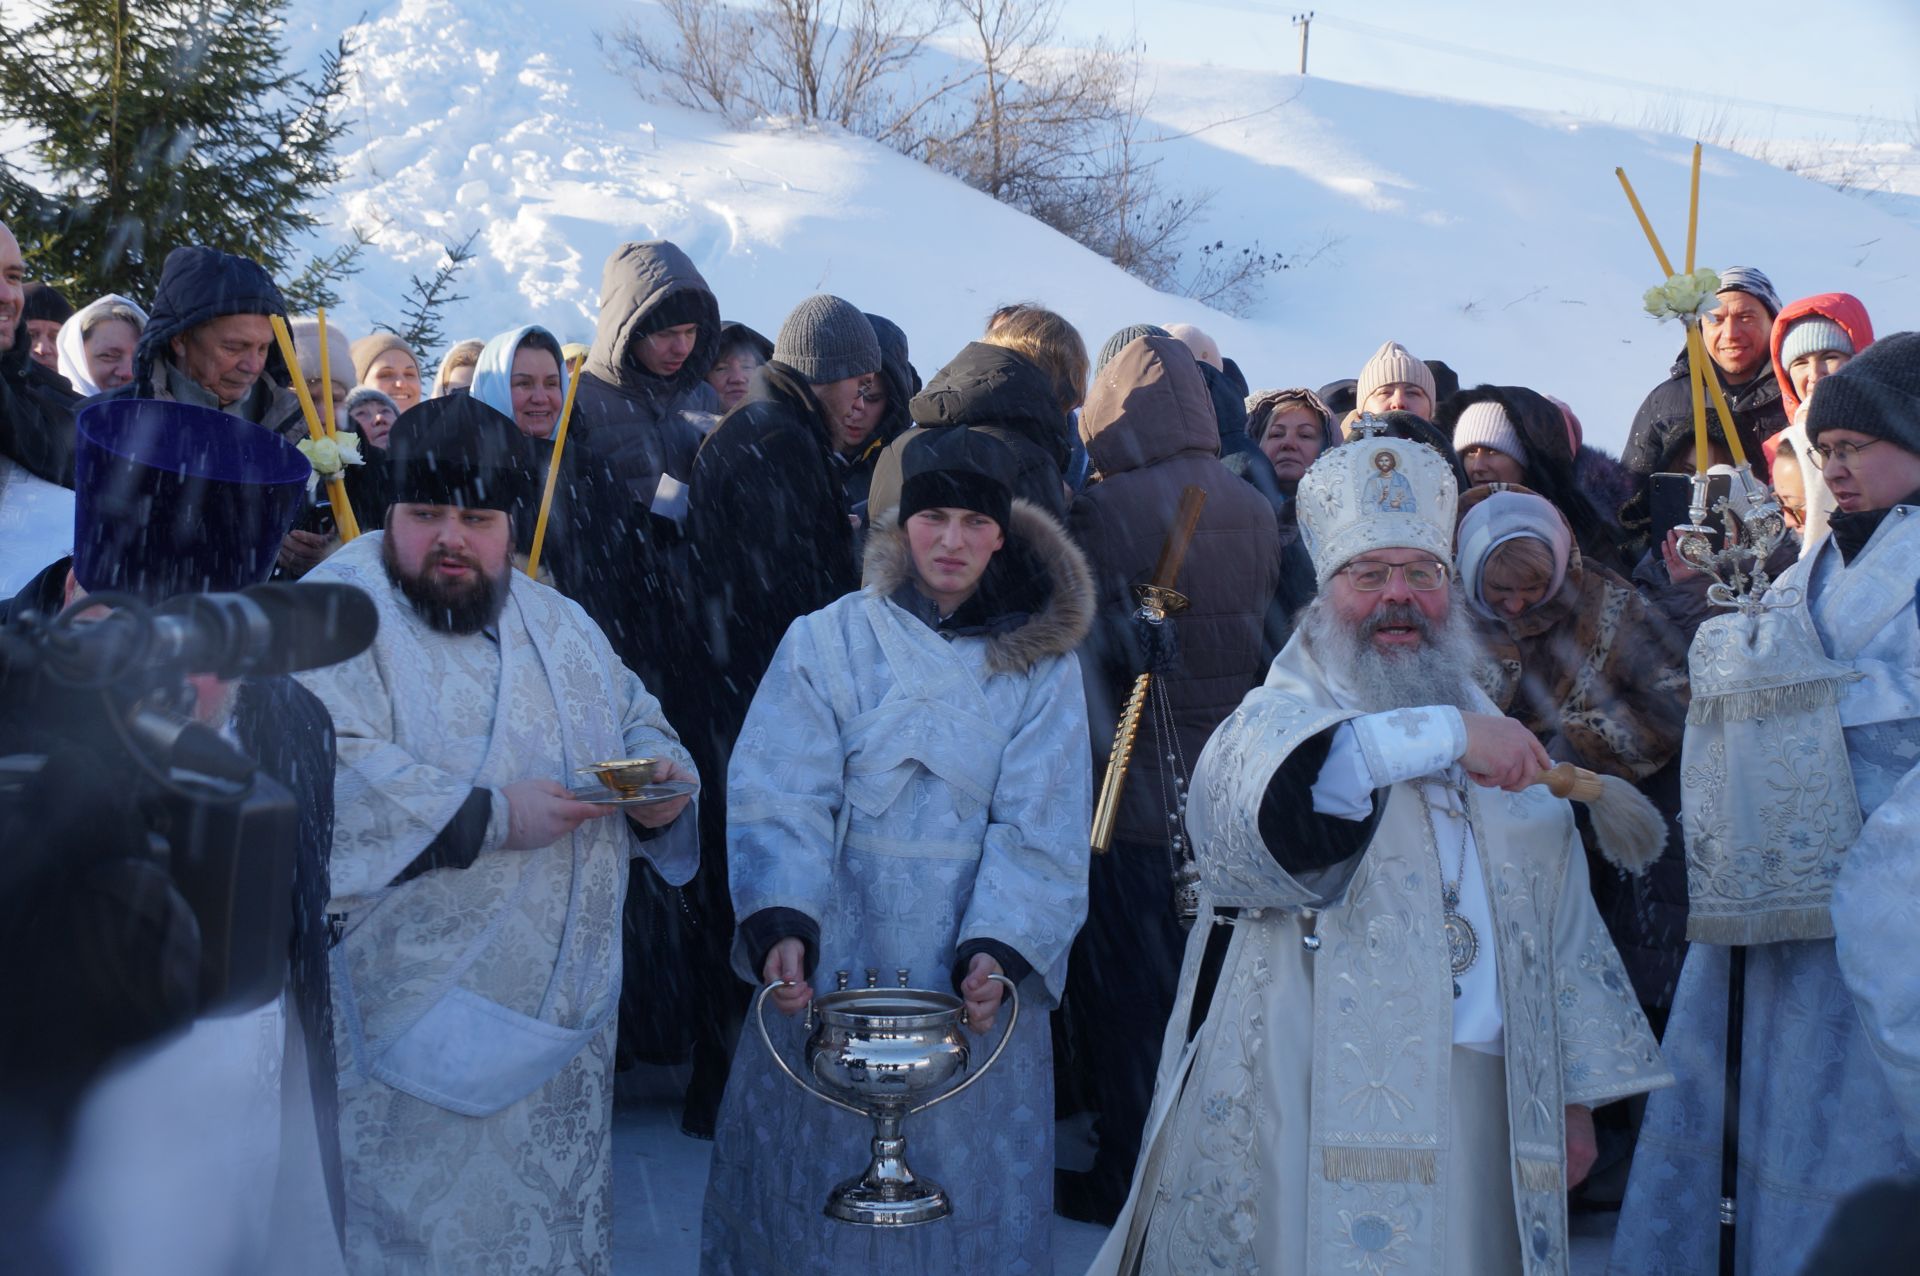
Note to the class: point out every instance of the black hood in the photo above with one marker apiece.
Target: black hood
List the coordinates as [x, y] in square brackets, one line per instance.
[989, 385]
[197, 285]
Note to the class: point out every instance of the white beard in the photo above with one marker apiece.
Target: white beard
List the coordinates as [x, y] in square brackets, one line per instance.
[1438, 671]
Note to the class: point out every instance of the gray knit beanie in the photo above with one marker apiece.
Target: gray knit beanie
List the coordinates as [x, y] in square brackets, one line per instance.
[1877, 394]
[1812, 335]
[1124, 338]
[364, 394]
[826, 339]
[1754, 282]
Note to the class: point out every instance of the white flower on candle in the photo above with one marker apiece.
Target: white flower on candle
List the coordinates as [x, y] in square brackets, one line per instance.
[1684, 296]
[330, 457]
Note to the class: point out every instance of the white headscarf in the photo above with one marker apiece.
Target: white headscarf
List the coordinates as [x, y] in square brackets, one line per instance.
[72, 341]
[1819, 497]
[493, 373]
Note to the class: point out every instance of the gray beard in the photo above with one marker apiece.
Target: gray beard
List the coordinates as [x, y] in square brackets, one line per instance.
[1438, 671]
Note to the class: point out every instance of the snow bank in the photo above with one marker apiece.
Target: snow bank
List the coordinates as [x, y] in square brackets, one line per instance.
[1495, 239]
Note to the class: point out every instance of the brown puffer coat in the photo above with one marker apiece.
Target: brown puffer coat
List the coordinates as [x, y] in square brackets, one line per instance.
[1150, 431]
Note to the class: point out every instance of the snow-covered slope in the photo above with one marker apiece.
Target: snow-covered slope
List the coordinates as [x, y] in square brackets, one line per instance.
[1495, 239]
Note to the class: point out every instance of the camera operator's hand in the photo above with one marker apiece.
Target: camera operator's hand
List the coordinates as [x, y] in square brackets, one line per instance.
[301, 552]
[540, 813]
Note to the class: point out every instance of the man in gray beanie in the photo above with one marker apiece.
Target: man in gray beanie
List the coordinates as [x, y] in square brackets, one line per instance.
[769, 541]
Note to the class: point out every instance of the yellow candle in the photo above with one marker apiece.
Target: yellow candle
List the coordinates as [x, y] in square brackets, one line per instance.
[1659, 253]
[553, 468]
[326, 380]
[1696, 375]
[336, 488]
[287, 352]
[1693, 209]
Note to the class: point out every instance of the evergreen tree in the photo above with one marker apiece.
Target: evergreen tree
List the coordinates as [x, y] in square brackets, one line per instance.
[157, 123]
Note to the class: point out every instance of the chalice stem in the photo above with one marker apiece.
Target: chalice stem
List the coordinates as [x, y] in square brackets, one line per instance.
[887, 1173]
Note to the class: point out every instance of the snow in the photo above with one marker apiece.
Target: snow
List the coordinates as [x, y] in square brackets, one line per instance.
[1494, 238]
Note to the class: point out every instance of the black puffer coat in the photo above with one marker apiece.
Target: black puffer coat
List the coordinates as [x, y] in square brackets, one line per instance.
[643, 425]
[37, 409]
[1150, 428]
[1000, 393]
[768, 540]
[1668, 407]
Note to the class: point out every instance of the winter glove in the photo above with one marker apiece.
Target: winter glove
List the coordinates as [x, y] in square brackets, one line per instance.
[1159, 646]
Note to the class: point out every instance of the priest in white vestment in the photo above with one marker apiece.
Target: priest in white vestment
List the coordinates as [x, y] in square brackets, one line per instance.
[1400, 1005]
[478, 971]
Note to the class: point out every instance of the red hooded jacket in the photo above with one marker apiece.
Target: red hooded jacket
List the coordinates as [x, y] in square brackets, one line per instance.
[1844, 309]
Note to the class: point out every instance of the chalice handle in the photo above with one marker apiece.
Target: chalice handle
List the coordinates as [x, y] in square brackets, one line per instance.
[760, 1018]
[1013, 1017]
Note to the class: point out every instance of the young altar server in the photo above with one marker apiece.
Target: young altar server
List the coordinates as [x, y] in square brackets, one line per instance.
[911, 791]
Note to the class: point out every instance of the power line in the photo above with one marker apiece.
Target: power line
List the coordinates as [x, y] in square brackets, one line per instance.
[1519, 62]
[1598, 77]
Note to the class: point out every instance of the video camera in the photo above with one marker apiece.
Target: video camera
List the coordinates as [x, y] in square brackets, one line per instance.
[146, 862]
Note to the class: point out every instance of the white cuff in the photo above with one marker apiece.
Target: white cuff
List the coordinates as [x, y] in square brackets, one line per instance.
[1379, 750]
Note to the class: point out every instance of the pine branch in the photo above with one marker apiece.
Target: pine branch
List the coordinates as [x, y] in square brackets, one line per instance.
[427, 300]
[313, 288]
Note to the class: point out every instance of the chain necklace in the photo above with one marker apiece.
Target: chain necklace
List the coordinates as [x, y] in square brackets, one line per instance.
[1463, 944]
[1173, 797]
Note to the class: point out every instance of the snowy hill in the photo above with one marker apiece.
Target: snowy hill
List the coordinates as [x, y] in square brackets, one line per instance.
[1495, 239]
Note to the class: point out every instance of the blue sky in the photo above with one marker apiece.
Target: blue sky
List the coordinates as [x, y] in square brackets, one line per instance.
[1831, 63]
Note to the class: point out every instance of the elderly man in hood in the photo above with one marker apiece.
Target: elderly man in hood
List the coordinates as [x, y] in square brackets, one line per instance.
[208, 340]
[207, 343]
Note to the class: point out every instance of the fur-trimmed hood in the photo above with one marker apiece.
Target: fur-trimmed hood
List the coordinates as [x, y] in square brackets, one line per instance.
[1040, 568]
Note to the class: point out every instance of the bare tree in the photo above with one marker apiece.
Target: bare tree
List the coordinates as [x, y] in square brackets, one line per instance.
[812, 60]
[1058, 133]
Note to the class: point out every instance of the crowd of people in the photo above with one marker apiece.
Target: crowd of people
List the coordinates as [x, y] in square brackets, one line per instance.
[878, 634]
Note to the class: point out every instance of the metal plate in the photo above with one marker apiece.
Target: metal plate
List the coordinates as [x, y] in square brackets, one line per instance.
[665, 791]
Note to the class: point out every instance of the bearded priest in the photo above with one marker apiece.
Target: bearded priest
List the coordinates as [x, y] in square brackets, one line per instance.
[1400, 1006]
[478, 901]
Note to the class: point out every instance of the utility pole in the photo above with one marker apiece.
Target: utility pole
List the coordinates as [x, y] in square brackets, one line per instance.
[1303, 21]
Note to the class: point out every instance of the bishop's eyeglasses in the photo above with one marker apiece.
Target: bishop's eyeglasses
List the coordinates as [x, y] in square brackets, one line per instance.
[1370, 577]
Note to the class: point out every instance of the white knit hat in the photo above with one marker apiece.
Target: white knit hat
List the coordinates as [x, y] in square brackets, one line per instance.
[306, 347]
[1391, 364]
[1375, 493]
[1485, 424]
